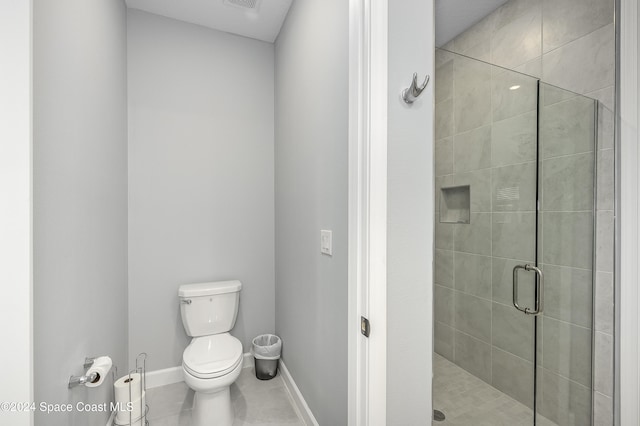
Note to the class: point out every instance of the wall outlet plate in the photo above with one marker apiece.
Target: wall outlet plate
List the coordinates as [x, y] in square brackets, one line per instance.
[326, 243]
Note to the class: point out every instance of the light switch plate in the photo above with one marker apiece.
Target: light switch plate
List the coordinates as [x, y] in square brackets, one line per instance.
[325, 242]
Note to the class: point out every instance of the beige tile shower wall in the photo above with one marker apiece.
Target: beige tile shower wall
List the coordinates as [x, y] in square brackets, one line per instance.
[570, 44]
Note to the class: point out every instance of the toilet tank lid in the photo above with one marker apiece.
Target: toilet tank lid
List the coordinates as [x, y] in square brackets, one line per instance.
[209, 289]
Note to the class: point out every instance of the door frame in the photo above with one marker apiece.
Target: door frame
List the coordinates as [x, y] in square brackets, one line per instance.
[627, 264]
[16, 284]
[367, 281]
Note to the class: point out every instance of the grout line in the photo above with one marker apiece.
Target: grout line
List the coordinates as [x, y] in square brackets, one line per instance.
[453, 168]
[475, 129]
[566, 378]
[569, 323]
[491, 183]
[575, 154]
[575, 40]
[567, 211]
[596, 392]
[599, 331]
[504, 166]
[519, 115]
[522, 261]
[590, 94]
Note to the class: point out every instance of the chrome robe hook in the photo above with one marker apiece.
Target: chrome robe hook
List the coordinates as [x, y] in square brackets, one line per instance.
[411, 94]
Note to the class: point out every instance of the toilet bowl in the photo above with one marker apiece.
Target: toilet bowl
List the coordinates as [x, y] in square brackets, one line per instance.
[210, 365]
[213, 359]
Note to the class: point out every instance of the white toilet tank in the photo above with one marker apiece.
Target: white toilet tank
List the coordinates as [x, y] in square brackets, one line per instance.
[209, 308]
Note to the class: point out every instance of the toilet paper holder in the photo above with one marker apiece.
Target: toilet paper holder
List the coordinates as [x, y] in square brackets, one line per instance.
[83, 380]
[93, 377]
[88, 362]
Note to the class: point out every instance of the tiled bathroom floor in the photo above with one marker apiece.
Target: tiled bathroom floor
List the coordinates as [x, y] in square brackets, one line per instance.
[466, 400]
[256, 403]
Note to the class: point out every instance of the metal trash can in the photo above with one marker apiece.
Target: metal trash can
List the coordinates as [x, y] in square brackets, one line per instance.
[266, 352]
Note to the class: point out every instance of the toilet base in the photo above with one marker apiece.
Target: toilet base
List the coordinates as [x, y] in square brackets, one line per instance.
[212, 409]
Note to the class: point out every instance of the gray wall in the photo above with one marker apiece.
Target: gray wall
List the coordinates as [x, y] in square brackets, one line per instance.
[200, 178]
[311, 194]
[80, 198]
[569, 44]
[410, 217]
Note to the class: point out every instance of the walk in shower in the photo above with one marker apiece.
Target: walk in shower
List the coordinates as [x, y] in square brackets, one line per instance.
[515, 158]
[523, 235]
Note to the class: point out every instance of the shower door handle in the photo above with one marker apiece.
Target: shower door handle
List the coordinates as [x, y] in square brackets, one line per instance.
[539, 289]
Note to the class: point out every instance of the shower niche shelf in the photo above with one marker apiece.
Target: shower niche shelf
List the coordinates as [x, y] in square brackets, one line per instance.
[455, 203]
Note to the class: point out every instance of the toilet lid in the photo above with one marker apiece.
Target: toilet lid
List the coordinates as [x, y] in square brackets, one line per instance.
[212, 356]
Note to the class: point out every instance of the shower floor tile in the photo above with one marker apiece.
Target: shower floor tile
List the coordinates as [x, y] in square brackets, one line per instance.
[256, 403]
[466, 400]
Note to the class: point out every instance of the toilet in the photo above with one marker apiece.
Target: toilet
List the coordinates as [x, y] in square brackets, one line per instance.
[213, 359]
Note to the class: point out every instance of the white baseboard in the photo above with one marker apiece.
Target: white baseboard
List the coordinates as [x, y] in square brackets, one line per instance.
[167, 376]
[172, 375]
[247, 360]
[299, 402]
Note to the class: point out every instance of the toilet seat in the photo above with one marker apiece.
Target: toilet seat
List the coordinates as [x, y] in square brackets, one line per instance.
[208, 357]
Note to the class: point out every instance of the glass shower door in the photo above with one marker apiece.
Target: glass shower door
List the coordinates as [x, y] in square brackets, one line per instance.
[567, 182]
[486, 198]
[514, 247]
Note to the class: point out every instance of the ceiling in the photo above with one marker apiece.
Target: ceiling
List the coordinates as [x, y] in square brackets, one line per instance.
[262, 22]
[265, 20]
[455, 16]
